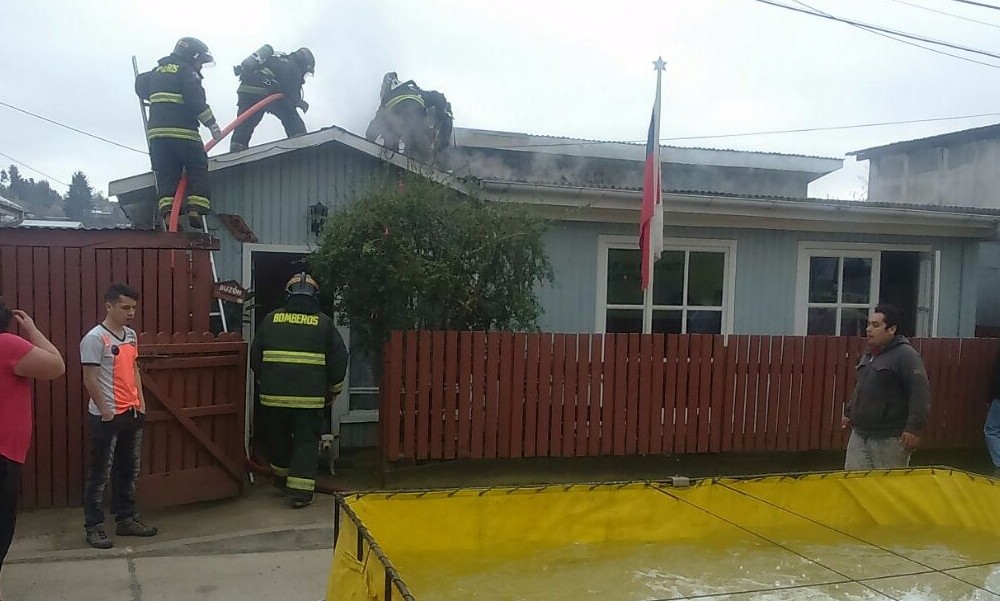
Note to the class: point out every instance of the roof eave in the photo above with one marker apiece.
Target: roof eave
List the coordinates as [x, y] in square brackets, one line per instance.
[593, 204]
[279, 147]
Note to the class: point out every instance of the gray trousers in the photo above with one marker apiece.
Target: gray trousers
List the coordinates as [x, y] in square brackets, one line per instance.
[867, 453]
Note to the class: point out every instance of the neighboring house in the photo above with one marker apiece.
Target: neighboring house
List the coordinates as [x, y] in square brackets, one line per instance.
[747, 251]
[955, 169]
[11, 213]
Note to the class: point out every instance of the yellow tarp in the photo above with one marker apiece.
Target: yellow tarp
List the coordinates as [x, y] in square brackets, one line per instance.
[919, 534]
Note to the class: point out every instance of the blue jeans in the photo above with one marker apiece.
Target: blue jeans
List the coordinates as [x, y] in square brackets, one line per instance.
[870, 453]
[115, 449]
[992, 432]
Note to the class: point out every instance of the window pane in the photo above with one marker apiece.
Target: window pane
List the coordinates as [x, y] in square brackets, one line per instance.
[705, 279]
[361, 400]
[667, 322]
[624, 277]
[853, 322]
[857, 279]
[823, 279]
[704, 322]
[822, 321]
[668, 279]
[624, 320]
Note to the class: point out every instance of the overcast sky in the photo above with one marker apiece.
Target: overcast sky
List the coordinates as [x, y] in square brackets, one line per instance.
[538, 66]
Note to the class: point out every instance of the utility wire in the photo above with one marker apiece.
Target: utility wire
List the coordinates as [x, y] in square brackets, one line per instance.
[79, 131]
[979, 4]
[895, 38]
[27, 166]
[945, 13]
[895, 32]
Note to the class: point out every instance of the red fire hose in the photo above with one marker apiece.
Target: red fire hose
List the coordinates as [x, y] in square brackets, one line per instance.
[175, 210]
[264, 470]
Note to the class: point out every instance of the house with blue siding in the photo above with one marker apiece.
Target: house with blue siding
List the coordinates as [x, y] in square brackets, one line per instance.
[747, 251]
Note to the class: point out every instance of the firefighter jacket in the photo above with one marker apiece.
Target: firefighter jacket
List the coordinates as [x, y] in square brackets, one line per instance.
[278, 74]
[402, 93]
[298, 356]
[176, 100]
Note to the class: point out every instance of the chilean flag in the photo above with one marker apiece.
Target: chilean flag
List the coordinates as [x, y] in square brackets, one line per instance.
[651, 220]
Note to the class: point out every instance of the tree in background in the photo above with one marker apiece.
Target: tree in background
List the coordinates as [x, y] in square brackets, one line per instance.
[424, 256]
[37, 198]
[79, 200]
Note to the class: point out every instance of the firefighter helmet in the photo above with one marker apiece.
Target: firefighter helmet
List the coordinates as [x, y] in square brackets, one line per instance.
[304, 58]
[194, 50]
[302, 283]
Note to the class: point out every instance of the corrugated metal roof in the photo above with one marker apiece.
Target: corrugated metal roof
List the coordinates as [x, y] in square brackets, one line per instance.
[569, 140]
[954, 137]
[951, 209]
[10, 204]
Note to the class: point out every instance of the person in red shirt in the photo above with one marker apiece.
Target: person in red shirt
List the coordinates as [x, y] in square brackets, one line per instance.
[20, 359]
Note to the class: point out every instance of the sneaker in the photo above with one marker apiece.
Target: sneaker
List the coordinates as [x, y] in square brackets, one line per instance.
[133, 527]
[98, 538]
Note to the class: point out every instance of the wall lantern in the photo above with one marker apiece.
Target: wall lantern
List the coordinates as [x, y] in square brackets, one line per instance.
[317, 217]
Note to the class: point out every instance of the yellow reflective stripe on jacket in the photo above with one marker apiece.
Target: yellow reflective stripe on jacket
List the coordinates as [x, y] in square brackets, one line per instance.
[336, 388]
[293, 402]
[166, 97]
[281, 472]
[207, 117]
[296, 357]
[403, 97]
[295, 483]
[174, 132]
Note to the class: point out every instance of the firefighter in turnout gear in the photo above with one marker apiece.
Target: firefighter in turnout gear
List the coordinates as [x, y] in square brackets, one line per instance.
[401, 116]
[176, 106]
[265, 73]
[300, 362]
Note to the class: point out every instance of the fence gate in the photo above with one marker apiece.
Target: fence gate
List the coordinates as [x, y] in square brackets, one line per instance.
[195, 385]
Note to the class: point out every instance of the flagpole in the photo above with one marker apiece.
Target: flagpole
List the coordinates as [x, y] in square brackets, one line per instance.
[654, 245]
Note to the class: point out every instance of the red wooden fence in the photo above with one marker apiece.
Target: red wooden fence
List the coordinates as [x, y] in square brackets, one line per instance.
[195, 390]
[59, 278]
[449, 395]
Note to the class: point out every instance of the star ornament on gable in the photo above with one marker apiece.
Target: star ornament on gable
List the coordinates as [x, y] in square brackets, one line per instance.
[659, 64]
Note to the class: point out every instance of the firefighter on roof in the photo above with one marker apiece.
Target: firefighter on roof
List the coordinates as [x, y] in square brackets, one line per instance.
[300, 362]
[264, 73]
[176, 106]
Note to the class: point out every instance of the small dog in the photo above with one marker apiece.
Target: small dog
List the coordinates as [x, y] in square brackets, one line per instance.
[329, 451]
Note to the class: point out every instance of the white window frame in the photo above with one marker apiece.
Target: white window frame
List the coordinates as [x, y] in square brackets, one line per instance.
[809, 249]
[727, 247]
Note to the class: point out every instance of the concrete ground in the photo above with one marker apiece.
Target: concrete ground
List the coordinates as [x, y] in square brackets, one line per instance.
[254, 547]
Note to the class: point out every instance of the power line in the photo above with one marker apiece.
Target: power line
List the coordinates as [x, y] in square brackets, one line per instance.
[833, 128]
[760, 133]
[894, 38]
[71, 128]
[946, 13]
[27, 166]
[895, 32]
[979, 4]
